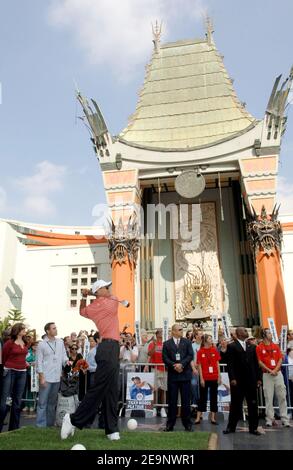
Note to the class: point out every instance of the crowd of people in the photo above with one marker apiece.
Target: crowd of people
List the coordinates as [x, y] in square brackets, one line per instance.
[188, 363]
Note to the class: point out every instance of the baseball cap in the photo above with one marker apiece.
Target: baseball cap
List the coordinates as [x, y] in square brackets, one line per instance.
[99, 284]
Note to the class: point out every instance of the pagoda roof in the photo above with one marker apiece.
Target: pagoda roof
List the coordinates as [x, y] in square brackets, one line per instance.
[187, 101]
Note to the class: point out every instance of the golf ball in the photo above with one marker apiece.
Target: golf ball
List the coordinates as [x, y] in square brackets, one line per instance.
[132, 424]
[78, 447]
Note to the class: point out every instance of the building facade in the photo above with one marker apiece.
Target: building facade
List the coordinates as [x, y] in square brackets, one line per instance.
[191, 188]
[191, 144]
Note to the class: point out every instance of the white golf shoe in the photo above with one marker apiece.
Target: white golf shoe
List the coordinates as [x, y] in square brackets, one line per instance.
[115, 436]
[67, 428]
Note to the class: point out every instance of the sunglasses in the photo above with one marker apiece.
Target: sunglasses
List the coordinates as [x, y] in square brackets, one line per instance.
[73, 349]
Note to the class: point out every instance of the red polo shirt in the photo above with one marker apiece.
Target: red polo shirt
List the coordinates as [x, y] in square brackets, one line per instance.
[209, 358]
[103, 311]
[269, 354]
[157, 355]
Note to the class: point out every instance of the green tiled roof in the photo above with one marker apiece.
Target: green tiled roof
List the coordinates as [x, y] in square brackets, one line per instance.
[187, 100]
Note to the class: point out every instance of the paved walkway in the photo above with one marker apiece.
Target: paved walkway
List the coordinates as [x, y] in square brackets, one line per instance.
[276, 438]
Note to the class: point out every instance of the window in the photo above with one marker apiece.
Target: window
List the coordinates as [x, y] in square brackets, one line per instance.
[81, 277]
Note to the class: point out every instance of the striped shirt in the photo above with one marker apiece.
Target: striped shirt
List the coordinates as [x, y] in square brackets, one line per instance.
[103, 311]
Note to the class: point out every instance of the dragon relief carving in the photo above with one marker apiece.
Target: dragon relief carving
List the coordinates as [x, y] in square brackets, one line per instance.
[195, 300]
[265, 231]
[123, 241]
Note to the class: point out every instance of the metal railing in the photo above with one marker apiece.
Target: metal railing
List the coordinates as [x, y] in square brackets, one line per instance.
[222, 405]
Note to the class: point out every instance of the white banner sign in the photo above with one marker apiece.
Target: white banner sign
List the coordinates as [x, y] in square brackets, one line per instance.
[137, 332]
[34, 379]
[86, 349]
[284, 331]
[272, 327]
[225, 326]
[214, 319]
[165, 329]
[140, 391]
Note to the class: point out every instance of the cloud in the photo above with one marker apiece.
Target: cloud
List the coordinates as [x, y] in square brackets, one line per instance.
[285, 196]
[3, 199]
[40, 205]
[38, 188]
[117, 33]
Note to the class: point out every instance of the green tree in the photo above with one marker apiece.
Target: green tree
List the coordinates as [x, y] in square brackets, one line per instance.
[4, 324]
[15, 316]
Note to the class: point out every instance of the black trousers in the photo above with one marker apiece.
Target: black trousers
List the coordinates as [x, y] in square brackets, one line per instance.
[238, 393]
[173, 388]
[212, 386]
[104, 389]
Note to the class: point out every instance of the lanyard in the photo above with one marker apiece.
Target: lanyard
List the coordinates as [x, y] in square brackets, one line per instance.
[54, 350]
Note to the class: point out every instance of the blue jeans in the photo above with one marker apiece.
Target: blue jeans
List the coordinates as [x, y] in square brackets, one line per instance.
[46, 409]
[13, 386]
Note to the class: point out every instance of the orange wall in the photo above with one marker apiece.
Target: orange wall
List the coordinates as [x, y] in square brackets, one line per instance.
[123, 288]
[271, 290]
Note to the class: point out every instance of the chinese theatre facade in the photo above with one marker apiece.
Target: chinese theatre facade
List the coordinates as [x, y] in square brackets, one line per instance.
[194, 154]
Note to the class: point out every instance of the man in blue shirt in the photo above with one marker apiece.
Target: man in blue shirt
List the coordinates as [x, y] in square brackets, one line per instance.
[137, 392]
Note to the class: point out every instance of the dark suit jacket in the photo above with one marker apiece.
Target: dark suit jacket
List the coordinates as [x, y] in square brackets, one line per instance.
[186, 356]
[243, 365]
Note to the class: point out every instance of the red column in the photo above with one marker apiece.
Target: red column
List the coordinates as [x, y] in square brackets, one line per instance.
[123, 278]
[271, 289]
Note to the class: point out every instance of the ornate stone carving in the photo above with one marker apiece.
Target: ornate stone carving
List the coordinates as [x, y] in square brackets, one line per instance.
[198, 286]
[197, 297]
[123, 241]
[265, 231]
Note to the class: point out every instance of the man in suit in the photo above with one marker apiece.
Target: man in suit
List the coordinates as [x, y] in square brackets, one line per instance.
[245, 376]
[177, 356]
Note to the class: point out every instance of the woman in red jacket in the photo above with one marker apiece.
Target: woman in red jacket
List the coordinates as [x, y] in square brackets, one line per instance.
[14, 375]
[209, 372]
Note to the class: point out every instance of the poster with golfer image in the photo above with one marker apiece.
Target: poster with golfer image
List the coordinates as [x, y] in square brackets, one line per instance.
[140, 391]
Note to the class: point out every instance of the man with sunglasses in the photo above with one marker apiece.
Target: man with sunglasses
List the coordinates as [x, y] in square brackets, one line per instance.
[103, 311]
[177, 356]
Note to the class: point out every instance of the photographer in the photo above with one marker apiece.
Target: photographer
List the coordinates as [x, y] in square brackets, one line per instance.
[128, 350]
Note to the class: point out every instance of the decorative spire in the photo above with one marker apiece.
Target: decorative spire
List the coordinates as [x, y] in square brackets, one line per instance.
[209, 30]
[157, 32]
[278, 102]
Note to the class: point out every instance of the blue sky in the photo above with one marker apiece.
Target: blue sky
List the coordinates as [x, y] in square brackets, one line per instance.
[48, 170]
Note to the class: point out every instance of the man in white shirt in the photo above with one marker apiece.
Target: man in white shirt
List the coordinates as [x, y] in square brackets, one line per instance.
[51, 356]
